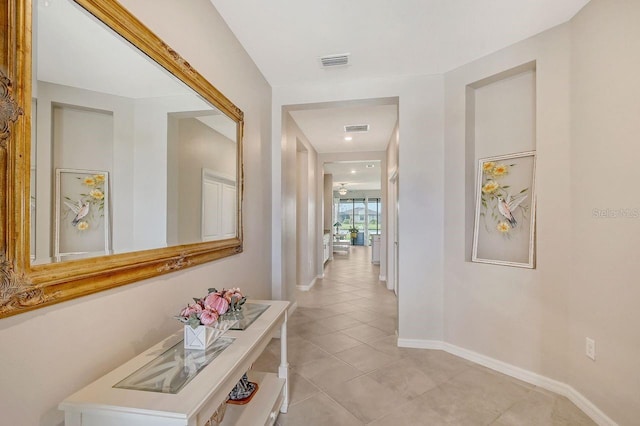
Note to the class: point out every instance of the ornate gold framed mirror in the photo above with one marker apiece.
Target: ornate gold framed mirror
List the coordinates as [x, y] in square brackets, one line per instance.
[119, 161]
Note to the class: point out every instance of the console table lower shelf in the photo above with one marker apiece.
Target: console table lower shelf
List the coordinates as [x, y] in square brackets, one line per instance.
[146, 391]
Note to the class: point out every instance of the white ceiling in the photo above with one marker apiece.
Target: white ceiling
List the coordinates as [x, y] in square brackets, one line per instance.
[364, 178]
[324, 127]
[73, 49]
[285, 38]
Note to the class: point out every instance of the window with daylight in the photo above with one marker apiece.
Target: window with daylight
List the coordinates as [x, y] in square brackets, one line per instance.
[373, 220]
[360, 213]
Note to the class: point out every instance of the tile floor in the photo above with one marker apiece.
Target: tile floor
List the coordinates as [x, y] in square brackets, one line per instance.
[345, 368]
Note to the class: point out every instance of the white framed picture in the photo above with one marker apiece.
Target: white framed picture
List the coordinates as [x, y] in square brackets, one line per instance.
[82, 218]
[504, 231]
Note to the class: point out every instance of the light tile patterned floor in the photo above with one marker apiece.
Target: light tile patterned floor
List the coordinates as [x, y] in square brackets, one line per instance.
[347, 370]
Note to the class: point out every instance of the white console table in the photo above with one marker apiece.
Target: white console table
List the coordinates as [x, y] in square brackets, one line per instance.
[101, 404]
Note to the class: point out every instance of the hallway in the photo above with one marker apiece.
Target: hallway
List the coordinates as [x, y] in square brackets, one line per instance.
[346, 368]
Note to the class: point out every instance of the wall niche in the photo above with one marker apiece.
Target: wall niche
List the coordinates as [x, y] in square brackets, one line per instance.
[500, 119]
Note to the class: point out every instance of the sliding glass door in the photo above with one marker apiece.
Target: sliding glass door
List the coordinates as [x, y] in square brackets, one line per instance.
[361, 216]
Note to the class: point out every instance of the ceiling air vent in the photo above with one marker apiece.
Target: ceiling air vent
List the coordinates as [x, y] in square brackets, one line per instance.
[334, 60]
[356, 128]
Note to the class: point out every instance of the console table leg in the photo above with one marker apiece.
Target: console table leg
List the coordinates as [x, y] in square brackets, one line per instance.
[283, 370]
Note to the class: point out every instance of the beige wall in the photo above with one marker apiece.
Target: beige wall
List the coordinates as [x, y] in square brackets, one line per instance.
[327, 204]
[604, 268]
[511, 314]
[584, 284]
[50, 353]
[200, 147]
[115, 156]
[302, 213]
[82, 139]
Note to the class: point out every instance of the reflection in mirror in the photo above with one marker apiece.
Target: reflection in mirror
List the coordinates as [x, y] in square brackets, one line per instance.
[202, 174]
[125, 156]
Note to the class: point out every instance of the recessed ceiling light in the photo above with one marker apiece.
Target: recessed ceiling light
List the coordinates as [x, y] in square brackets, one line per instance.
[370, 166]
[348, 138]
[353, 172]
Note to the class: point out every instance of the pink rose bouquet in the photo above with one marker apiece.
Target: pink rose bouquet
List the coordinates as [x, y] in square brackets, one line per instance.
[207, 310]
[235, 298]
[216, 302]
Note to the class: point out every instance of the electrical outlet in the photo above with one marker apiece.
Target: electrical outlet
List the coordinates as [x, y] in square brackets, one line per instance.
[591, 348]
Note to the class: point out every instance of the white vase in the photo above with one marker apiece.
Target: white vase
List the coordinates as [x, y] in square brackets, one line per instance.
[202, 336]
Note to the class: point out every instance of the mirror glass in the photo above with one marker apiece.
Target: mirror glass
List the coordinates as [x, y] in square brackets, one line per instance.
[125, 156]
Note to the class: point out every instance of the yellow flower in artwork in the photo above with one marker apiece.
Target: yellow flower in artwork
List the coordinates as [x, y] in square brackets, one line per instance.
[99, 178]
[82, 226]
[503, 227]
[500, 170]
[490, 187]
[488, 166]
[97, 194]
[89, 181]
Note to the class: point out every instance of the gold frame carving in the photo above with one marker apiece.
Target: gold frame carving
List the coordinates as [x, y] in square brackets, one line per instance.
[9, 109]
[23, 286]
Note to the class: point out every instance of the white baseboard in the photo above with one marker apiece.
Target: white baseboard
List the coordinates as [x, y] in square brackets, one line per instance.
[505, 368]
[589, 408]
[536, 379]
[420, 344]
[389, 285]
[382, 278]
[308, 286]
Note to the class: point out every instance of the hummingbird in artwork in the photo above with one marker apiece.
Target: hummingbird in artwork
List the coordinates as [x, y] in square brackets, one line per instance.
[508, 206]
[80, 210]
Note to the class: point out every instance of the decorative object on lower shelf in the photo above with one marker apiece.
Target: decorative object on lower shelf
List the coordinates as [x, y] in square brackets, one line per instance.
[243, 391]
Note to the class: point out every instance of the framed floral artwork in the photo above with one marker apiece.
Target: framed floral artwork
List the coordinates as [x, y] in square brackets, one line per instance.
[82, 218]
[504, 231]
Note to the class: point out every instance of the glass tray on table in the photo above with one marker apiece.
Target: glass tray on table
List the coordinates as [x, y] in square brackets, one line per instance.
[174, 368]
[247, 315]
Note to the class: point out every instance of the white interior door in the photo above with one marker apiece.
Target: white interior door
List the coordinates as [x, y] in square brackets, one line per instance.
[218, 206]
[211, 208]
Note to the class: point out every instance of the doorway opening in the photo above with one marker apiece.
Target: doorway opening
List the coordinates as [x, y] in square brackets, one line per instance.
[335, 163]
